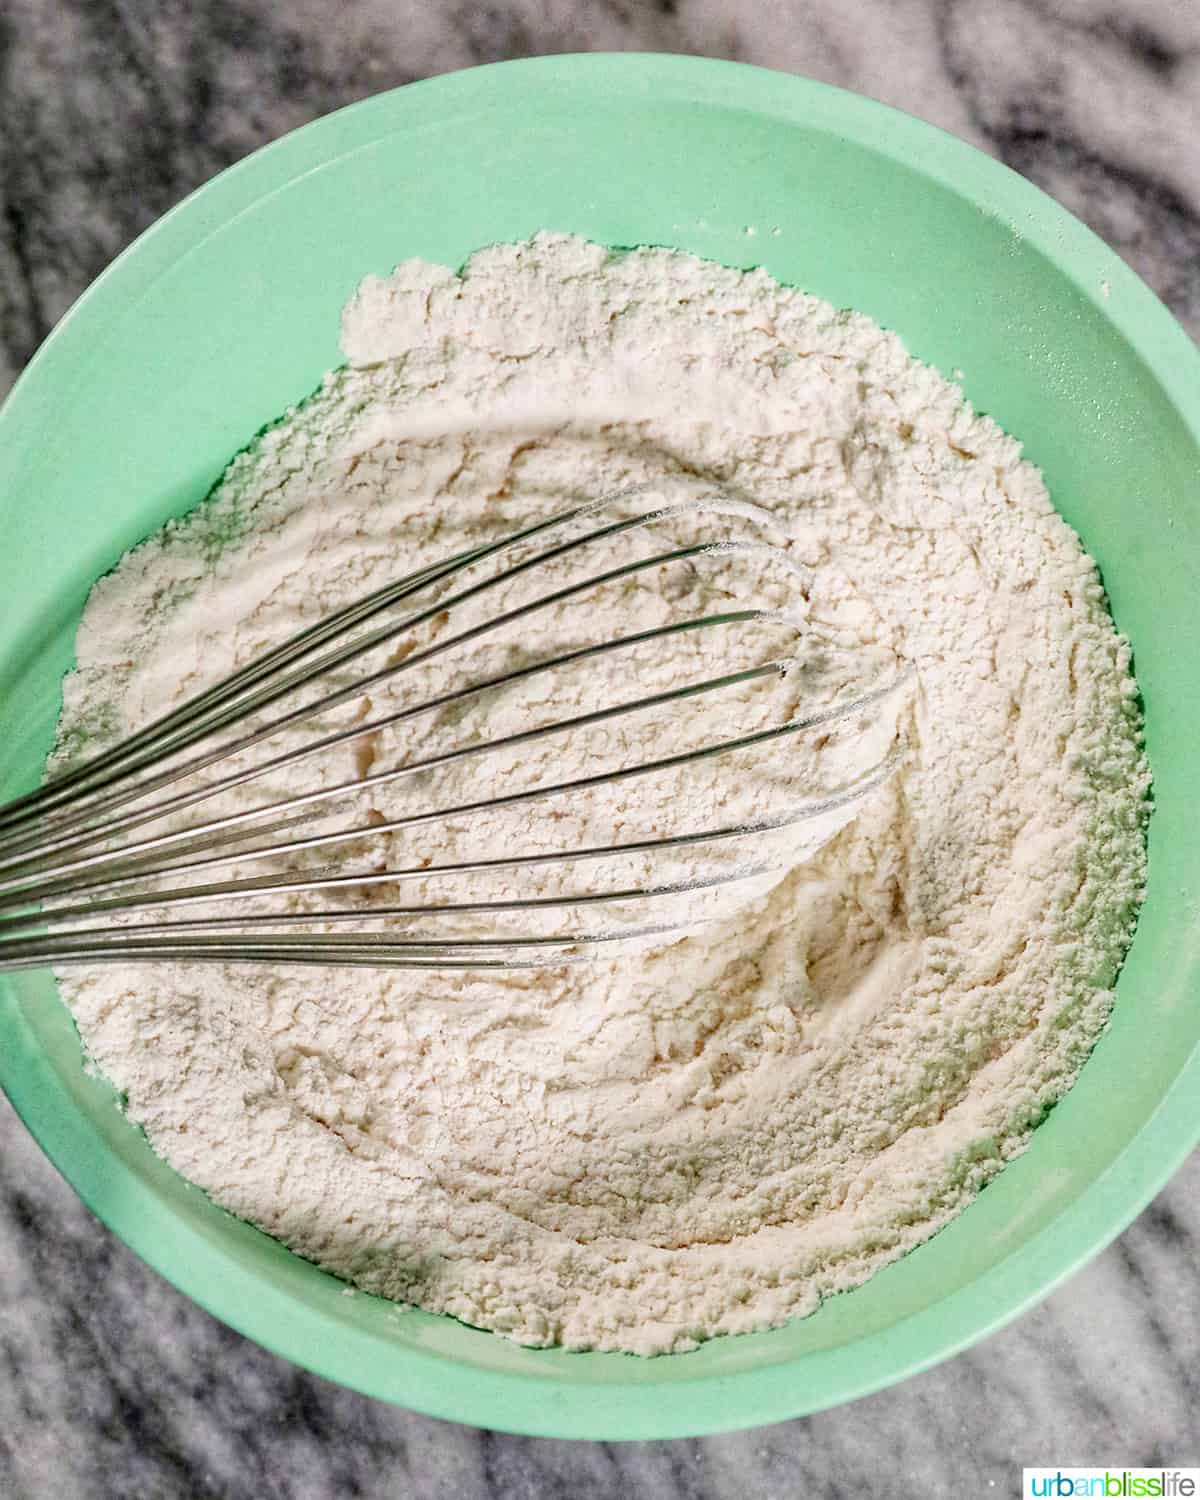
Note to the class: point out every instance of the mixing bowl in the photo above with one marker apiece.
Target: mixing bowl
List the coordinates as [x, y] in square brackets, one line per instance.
[227, 311]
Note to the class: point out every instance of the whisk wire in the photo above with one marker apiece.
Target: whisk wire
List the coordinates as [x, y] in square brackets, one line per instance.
[68, 854]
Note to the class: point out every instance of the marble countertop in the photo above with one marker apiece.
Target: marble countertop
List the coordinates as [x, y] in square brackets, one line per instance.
[112, 1384]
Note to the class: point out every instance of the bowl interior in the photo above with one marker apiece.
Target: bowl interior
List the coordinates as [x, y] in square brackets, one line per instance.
[228, 311]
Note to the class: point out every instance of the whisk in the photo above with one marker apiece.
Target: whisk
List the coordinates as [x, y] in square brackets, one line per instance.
[175, 845]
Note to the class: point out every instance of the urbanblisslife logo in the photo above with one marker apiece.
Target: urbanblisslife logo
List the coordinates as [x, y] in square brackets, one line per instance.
[1114, 1484]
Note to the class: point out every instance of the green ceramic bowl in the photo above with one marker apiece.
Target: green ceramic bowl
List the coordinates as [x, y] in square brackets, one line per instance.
[227, 311]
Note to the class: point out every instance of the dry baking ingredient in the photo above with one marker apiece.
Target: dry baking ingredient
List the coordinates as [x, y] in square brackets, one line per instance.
[712, 1136]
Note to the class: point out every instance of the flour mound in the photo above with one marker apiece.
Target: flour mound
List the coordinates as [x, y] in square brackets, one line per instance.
[711, 1136]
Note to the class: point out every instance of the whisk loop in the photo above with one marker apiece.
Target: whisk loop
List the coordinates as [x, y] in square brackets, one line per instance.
[114, 860]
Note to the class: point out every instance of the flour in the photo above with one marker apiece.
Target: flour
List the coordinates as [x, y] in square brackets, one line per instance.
[711, 1136]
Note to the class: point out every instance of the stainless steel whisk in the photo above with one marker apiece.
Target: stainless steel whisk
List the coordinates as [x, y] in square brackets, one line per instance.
[114, 860]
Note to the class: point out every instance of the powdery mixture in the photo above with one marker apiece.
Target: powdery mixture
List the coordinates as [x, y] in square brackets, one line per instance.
[711, 1137]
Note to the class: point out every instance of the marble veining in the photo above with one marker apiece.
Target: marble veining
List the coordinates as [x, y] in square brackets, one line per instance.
[113, 1385]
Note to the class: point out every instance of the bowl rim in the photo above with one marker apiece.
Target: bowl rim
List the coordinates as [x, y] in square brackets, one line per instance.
[538, 1403]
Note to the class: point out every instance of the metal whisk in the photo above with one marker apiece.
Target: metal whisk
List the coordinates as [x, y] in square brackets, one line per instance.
[142, 852]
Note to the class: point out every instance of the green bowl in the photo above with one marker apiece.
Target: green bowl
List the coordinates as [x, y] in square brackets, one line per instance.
[227, 311]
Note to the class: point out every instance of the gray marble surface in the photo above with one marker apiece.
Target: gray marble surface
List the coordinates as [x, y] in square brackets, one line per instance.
[111, 1384]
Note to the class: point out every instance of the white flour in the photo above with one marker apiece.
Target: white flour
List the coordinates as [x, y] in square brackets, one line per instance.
[711, 1137]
